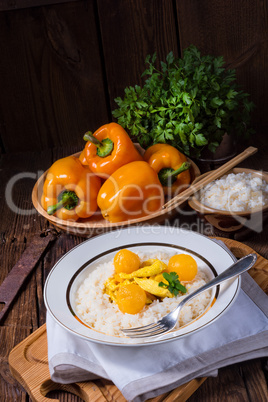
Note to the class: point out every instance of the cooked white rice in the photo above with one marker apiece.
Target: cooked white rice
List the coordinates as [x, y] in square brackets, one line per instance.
[235, 192]
[96, 310]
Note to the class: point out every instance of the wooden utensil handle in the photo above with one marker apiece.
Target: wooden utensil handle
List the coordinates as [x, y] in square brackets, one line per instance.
[214, 174]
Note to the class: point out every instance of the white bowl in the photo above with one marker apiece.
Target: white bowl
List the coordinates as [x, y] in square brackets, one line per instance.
[70, 271]
[231, 221]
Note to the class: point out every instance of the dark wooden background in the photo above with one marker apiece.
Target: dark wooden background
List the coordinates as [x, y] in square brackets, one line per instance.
[62, 63]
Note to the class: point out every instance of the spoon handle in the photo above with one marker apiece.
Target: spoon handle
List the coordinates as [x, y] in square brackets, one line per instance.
[235, 269]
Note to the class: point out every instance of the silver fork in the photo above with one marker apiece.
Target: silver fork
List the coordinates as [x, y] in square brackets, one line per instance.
[168, 322]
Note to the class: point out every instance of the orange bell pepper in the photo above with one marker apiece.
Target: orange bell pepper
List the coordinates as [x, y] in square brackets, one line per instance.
[171, 166]
[131, 192]
[107, 149]
[70, 190]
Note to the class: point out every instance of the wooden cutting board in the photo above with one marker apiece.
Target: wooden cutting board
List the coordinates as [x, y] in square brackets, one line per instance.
[28, 361]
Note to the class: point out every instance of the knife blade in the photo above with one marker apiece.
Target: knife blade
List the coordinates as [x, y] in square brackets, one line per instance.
[11, 285]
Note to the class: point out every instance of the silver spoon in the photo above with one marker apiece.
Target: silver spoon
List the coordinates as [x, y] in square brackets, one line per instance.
[169, 321]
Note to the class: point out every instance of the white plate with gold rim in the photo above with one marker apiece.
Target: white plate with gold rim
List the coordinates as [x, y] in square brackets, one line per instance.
[71, 270]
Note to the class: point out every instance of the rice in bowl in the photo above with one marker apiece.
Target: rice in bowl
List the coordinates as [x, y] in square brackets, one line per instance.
[235, 192]
[96, 310]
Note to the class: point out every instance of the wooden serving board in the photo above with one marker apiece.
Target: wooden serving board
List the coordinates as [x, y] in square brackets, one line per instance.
[28, 361]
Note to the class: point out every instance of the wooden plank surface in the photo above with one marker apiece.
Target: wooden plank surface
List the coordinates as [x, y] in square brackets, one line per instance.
[51, 76]
[63, 64]
[245, 380]
[237, 30]
[7, 5]
[131, 31]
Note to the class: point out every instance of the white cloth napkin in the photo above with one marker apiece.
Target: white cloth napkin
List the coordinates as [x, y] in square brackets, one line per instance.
[141, 373]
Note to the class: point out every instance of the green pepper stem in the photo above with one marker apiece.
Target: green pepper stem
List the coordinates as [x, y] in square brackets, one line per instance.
[53, 208]
[168, 176]
[182, 168]
[104, 147]
[89, 137]
[67, 199]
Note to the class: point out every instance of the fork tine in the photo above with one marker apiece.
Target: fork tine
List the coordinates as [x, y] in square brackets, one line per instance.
[145, 331]
[150, 333]
[143, 328]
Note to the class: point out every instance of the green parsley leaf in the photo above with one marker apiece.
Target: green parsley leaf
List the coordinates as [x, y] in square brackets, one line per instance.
[200, 140]
[174, 285]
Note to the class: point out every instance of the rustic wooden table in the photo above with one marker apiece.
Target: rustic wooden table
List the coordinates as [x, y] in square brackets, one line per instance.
[19, 224]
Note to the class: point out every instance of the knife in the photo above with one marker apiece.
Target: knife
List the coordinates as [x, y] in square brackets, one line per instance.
[11, 285]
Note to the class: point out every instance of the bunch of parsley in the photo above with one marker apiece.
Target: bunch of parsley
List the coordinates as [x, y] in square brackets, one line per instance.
[188, 102]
